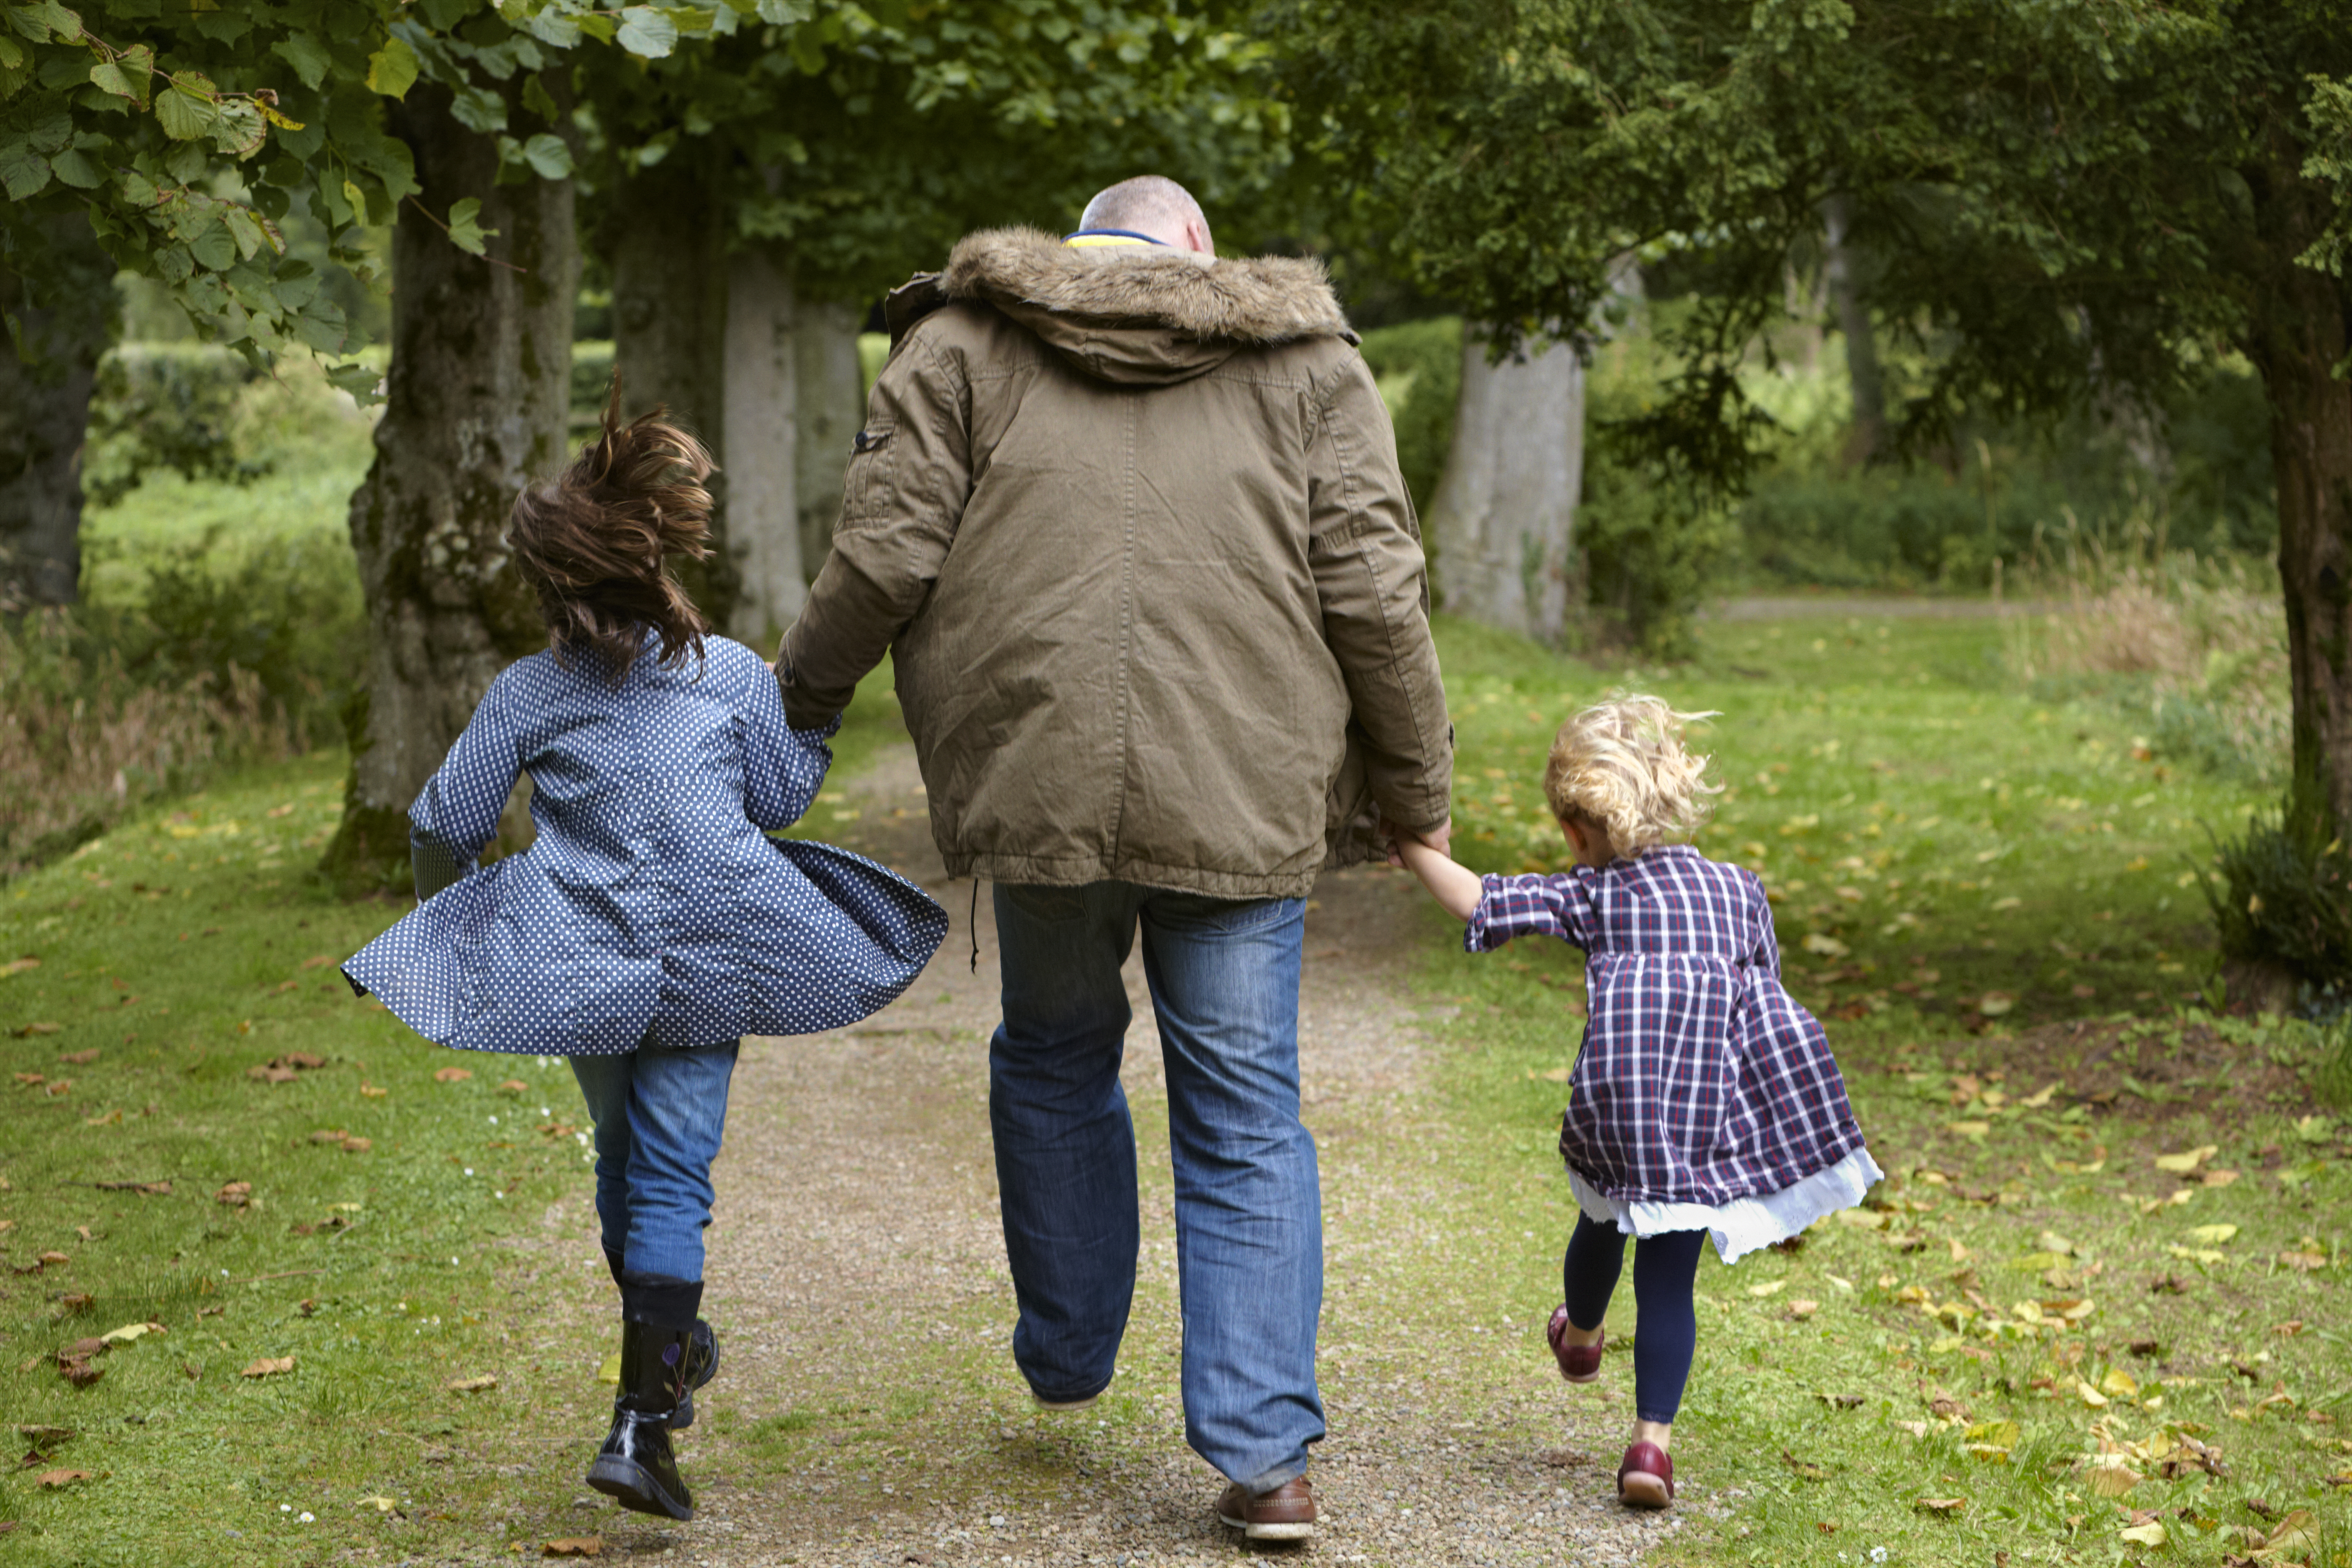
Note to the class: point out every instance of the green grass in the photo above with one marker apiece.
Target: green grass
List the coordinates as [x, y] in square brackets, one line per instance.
[1958, 844]
[175, 947]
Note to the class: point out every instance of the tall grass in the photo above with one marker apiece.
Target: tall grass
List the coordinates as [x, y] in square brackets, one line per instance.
[82, 740]
[2194, 646]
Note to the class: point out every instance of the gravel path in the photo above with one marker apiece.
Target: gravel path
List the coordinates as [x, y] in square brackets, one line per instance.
[867, 1410]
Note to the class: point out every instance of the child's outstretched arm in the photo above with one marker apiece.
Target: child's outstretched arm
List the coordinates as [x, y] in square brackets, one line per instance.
[782, 767]
[457, 812]
[1454, 885]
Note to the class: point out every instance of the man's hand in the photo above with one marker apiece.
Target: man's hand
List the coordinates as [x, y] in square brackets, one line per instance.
[1439, 837]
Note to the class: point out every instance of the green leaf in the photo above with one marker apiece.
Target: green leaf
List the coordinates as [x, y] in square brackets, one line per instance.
[46, 19]
[182, 116]
[245, 228]
[107, 77]
[364, 385]
[75, 168]
[554, 28]
[392, 69]
[786, 12]
[238, 127]
[536, 98]
[12, 54]
[307, 55]
[173, 265]
[647, 32]
[22, 170]
[476, 109]
[215, 249]
[321, 326]
[549, 156]
[465, 230]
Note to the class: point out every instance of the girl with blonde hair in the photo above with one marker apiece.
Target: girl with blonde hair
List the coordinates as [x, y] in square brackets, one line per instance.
[1705, 1101]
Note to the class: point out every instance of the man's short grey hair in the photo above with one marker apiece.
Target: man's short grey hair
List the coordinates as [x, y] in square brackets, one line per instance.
[1142, 201]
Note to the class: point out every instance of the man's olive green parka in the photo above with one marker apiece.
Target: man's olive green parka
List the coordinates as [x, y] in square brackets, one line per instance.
[1131, 524]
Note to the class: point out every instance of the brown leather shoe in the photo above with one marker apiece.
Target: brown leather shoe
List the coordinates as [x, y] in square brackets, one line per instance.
[1577, 1363]
[1286, 1513]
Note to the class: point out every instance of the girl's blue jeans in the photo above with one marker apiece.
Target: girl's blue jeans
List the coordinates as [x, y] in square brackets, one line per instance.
[658, 1117]
[1224, 976]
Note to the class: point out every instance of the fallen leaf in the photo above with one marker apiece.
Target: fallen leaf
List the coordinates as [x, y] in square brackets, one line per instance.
[515, 1085]
[59, 1087]
[145, 1189]
[2205, 1254]
[1825, 946]
[130, 1332]
[2120, 1382]
[2111, 1476]
[1801, 1310]
[18, 966]
[47, 1257]
[1993, 1004]
[2041, 1098]
[357, 1145]
[372, 1092]
[79, 1059]
[39, 1028]
[1943, 1504]
[271, 1074]
[77, 1371]
[473, 1385]
[609, 1371]
[2212, 1234]
[2181, 1164]
[451, 1075]
[1767, 1288]
[2148, 1534]
[318, 961]
[328, 1135]
[380, 1504]
[1868, 1219]
[54, 1478]
[302, 1061]
[2292, 1327]
[268, 1366]
[44, 1437]
[2217, 1177]
[236, 1195]
[2298, 1532]
[2304, 1262]
[2091, 1397]
[574, 1546]
[2051, 1241]
[1811, 1472]
[1557, 1075]
[1973, 1129]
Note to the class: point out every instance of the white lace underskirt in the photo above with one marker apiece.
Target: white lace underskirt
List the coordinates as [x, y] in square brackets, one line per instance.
[1743, 1224]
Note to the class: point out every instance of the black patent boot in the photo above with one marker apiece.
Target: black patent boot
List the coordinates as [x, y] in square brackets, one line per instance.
[636, 1467]
[701, 1351]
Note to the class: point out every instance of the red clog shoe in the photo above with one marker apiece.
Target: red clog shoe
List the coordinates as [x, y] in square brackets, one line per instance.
[1577, 1363]
[1646, 1479]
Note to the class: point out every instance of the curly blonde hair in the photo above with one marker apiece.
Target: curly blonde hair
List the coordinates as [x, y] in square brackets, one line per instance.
[1622, 765]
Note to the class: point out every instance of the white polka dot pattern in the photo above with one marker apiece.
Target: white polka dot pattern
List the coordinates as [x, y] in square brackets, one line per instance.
[652, 907]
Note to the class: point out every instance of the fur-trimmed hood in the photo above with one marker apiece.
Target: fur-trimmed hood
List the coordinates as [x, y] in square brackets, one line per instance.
[1132, 314]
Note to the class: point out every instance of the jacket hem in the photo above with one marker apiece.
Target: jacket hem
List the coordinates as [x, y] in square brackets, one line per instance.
[1077, 872]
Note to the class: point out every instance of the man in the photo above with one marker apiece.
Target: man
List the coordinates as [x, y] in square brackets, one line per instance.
[1130, 520]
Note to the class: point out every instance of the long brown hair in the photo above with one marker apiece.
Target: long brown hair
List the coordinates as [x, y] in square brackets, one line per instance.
[595, 542]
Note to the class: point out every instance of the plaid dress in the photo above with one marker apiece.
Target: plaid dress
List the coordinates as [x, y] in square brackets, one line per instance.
[1701, 1083]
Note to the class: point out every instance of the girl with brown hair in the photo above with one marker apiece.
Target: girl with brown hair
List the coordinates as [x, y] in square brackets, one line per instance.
[652, 924]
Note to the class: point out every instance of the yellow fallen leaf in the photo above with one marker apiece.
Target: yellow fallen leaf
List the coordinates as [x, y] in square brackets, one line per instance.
[2148, 1534]
[610, 1371]
[2217, 1177]
[2120, 1384]
[2212, 1234]
[2181, 1164]
[1943, 1504]
[380, 1504]
[1767, 1288]
[2051, 1241]
[2112, 1475]
[1973, 1129]
[268, 1366]
[1800, 1308]
[574, 1546]
[472, 1385]
[2197, 1254]
[2041, 1097]
[1993, 1004]
[2298, 1532]
[1868, 1219]
[1825, 946]
[1558, 1075]
[2091, 1397]
[130, 1332]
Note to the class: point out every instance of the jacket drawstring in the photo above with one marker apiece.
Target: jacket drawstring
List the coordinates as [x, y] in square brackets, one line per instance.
[975, 925]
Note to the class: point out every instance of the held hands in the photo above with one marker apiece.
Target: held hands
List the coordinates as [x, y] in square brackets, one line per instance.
[1455, 887]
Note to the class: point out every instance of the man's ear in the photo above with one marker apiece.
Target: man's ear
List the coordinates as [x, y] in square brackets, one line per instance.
[1196, 237]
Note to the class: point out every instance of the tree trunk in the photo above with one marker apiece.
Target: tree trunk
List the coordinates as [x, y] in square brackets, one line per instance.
[475, 401]
[44, 411]
[665, 235]
[1506, 508]
[761, 447]
[831, 410]
[2300, 336]
[1838, 274]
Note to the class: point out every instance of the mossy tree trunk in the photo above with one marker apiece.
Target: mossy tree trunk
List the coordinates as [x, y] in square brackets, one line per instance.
[2301, 329]
[44, 387]
[1504, 516]
[481, 354]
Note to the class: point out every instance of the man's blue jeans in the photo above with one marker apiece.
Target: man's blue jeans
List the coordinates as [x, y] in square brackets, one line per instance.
[658, 1117]
[1249, 1219]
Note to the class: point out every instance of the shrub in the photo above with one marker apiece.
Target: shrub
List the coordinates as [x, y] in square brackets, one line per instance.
[165, 406]
[1419, 367]
[2282, 893]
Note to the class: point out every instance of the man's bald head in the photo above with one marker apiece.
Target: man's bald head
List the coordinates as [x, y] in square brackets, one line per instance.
[1152, 204]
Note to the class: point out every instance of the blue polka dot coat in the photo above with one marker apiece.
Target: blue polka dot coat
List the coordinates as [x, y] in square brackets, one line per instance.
[653, 908]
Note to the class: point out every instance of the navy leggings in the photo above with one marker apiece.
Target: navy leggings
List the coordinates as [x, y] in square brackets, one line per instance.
[1664, 1269]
